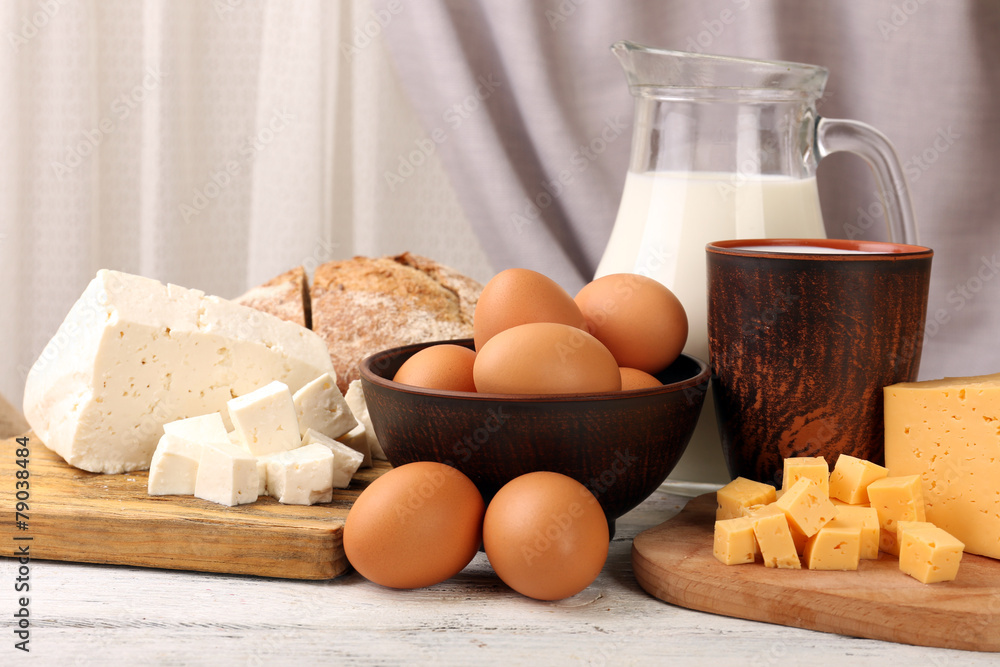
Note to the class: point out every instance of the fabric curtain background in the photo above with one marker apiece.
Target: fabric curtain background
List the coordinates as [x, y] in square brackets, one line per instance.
[213, 144]
[217, 143]
[925, 73]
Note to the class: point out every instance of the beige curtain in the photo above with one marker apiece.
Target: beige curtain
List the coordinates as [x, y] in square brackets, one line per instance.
[209, 143]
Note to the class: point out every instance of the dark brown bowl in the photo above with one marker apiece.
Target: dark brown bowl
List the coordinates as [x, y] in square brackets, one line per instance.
[620, 445]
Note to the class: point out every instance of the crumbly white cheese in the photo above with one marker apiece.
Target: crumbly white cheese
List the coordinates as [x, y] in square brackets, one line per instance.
[320, 406]
[355, 398]
[227, 475]
[174, 468]
[265, 419]
[302, 476]
[346, 461]
[134, 354]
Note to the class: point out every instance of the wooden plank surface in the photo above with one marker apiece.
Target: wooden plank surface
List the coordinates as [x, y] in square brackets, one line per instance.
[674, 562]
[74, 515]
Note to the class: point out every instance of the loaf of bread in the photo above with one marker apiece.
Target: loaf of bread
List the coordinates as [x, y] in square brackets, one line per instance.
[285, 296]
[363, 305]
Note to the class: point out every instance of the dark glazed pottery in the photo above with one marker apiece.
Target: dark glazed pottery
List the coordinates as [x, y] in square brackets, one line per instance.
[620, 445]
[803, 344]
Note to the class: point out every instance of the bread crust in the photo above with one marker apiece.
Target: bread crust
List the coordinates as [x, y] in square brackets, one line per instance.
[364, 305]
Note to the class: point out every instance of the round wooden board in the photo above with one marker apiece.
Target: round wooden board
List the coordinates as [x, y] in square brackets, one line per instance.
[674, 562]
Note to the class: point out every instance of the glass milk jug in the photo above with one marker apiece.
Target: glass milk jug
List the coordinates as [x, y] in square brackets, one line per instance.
[726, 148]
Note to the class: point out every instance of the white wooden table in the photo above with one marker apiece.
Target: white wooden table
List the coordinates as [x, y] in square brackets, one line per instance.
[90, 614]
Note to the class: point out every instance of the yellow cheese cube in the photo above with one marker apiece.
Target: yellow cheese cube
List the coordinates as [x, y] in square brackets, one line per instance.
[928, 553]
[734, 541]
[806, 507]
[798, 538]
[837, 546]
[740, 494]
[948, 432]
[850, 479]
[866, 519]
[814, 468]
[897, 499]
[775, 539]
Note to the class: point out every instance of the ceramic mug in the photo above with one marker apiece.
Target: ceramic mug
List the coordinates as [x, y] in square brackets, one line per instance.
[803, 336]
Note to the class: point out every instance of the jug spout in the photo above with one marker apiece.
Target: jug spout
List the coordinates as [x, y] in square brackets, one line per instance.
[650, 72]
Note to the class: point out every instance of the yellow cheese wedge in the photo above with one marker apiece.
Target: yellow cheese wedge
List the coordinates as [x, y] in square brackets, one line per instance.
[928, 553]
[740, 494]
[850, 479]
[814, 468]
[806, 506]
[948, 432]
[734, 541]
[837, 546]
[897, 499]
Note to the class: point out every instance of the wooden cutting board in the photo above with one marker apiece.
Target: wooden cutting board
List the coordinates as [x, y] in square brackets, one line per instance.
[74, 515]
[674, 562]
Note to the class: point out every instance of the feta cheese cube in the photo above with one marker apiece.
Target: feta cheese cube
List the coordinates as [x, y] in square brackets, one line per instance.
[357, 439]
[174, 468]
[227, 475]
[302, 476]
[320, 406]
[346, 461]
[265, 419]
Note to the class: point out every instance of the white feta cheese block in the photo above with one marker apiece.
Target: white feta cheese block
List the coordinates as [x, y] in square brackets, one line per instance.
[320, 406]
[355, 398]
[203, 428]
[265, 419]
[174, 468]
[227, 475]
[134, 354]
[346, 461]
[357, 439]
[302, 476]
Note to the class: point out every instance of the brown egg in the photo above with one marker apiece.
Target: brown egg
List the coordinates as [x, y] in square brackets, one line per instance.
[545, 358]
[638, 319]
[546, 535]
[445, 366]
[520, 296]
[633, 378]
[414, 526]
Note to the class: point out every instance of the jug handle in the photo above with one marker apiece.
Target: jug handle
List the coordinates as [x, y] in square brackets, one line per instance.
[833, 134]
